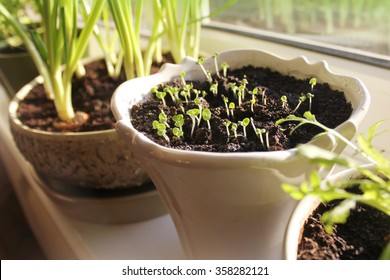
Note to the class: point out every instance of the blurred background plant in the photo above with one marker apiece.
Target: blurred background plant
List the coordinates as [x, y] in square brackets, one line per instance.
[26, 13]
[360, 24]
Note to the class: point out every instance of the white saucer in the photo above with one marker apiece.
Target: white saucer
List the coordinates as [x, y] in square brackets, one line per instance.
[103, 206]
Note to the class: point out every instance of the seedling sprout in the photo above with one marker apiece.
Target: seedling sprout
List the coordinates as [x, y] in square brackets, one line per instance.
[182, 75]
[161, 129]
[206, 73]
[160, 95]
[179, 121]
[214, 88]
[193, 113]
[310, 96]
[234, 129]
[254, 92]
[263, 97]
[301, 99]
[231, 108]
[313, 82]
[260, 132]
[284, 101]
[215, 57]
[225, 67]
[244, 123]
[163, 119]
[244, 82]
[206, 115]
[226, 101]
[227, 124]
[234, 88]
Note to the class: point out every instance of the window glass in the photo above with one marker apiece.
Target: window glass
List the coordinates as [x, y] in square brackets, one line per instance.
[358, 24]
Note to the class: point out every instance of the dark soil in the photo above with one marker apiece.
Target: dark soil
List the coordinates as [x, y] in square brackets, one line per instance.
[362, 237]
[329, 106]
[91, 95]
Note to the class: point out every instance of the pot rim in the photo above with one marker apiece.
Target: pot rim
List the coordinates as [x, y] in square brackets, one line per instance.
[124, 126]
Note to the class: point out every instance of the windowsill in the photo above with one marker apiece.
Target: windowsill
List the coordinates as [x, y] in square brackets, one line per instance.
[62, 237]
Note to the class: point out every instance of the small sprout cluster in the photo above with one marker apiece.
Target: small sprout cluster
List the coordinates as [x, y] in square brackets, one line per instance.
[193, 105]
[161, 126]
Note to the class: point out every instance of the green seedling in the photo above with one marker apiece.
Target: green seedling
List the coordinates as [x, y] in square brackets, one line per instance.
[161, 129]
[263, 97]
[196, 92]
[163, 119]
[240, 94]
[284, 101]
[206, 115]
[225, 67]
[260, 132]
[160, 95]
[186, 92]
[227, 124]
[193, 113]
[232, 106]
[313, 82]
[244, 82]
[244, 123]
[302, 98]
[214, 89]
[173, 92]
[234, 88]
[182, 75]
[226, 101]
[179, 121]
[234, 127]
[206, 73]
[310, 96]
[198, 102]
[254, 92]
[215, 57]
[182, 107]
[177, 132]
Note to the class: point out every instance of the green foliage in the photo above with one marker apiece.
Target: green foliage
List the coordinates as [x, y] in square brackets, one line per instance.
[225, 67]
[284, 101]
[161, 129]
[160, 95]
[200, 62]
[244, 123]
[302, 98]
[193, 113]
[373, 180]
[57, 52]
[20, 10]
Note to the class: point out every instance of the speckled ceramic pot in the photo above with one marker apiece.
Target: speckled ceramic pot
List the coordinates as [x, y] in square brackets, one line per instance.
[87, 159]
[230, 205]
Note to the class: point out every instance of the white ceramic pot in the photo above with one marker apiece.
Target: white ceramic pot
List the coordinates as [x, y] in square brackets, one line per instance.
[303, 210]
[229, 206]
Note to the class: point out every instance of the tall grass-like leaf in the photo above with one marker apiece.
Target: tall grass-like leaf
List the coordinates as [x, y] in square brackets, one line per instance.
[57, 54]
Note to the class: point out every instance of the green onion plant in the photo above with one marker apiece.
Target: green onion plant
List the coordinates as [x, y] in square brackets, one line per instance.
[57, 53]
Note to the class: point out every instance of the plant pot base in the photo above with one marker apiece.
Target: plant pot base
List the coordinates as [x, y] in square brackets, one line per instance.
[103, 206]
